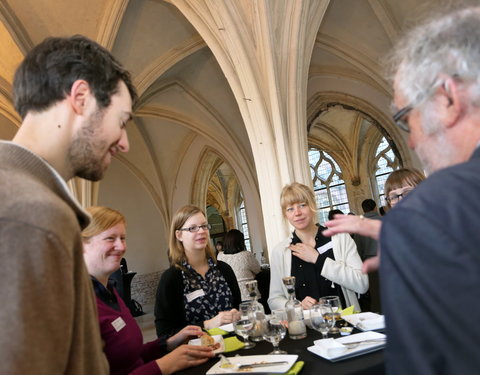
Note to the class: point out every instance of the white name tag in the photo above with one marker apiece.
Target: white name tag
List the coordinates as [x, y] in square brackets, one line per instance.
[118, 324]
[194, 295]
[325, 247]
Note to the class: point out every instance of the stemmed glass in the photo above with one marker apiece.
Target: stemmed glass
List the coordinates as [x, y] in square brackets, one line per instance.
[274, 332]
[244, 325]
[322, 318]
[334, 302]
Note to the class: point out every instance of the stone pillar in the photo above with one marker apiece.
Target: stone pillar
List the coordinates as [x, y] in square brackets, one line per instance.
[264, 49]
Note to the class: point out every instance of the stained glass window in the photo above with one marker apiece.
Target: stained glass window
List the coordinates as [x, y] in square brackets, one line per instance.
[328, 184]
[385, 163]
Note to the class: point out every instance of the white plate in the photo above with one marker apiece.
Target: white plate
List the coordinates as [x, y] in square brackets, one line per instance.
[340, 352]
[279, 369]
[217, 338]
[356, 320]
[227, 327]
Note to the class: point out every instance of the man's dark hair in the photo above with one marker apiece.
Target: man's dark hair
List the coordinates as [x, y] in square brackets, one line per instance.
[48, 71]
[234, 242]
[334, 212]
[368, 205]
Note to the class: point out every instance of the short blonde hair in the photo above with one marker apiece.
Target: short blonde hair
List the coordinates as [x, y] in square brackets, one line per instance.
[297, 193]
[177, 251]
[103, 218]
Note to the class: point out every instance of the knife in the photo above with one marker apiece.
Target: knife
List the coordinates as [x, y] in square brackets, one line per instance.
[262, 364]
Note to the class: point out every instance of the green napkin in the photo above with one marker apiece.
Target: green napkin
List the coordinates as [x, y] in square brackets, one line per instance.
[296, 368]
[232, 344]
[348, 311]
[216, 331]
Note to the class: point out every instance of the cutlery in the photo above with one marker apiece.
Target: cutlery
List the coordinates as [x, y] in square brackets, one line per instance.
[261, 364]
[354, 344]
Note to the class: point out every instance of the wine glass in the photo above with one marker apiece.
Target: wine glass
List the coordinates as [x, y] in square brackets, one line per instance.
[274, 332]
[245, 324]
[334, 302]
[322, 319]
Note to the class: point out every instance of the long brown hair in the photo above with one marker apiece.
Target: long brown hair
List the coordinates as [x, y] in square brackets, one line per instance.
[177, 251]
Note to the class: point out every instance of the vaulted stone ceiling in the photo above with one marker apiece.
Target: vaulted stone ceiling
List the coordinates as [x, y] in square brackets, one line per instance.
[184, 94]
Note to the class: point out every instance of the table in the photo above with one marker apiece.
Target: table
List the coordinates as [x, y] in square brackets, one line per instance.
[367, 364]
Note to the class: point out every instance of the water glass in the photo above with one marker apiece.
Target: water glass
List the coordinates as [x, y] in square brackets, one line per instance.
[322, 318]
[245, 324]
[274, 332]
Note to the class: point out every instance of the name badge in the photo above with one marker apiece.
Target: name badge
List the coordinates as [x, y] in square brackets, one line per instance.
[118, 324]
[194, 295]
[325, 247]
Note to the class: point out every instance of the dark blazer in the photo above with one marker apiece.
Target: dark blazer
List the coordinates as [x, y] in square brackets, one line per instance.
[430, 275]
[169, 305]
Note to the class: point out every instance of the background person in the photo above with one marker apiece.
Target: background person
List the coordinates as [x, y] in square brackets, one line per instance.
[104, 243]
[74, 99]
[398, 184]
[243, 262]
[196, 289]
[321, 266]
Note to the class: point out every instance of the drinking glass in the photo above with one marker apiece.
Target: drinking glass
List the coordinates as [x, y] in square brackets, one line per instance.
[322, 318]
[244, 325]
[334, 302]
[274, 332]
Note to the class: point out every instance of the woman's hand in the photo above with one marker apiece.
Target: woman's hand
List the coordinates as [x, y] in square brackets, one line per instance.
[308, 302]
[223, 317]
[183, 336]
[304, 252]
[353, 224]
[183, 357]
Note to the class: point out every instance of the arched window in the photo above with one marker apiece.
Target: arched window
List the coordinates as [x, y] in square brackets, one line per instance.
[328, 184]
[385, 163]
[242, 220]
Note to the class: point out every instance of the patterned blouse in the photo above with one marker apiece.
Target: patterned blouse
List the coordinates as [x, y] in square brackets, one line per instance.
[205, 297]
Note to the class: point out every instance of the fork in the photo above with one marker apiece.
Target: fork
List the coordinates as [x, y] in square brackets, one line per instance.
[354, 344]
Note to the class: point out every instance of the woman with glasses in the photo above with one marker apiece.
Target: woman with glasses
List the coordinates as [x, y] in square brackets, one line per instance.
[321, 266]
[398, 184]
[103, 247]
[196, 289]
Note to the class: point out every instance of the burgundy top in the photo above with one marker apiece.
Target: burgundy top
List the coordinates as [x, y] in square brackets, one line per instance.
[124, 347]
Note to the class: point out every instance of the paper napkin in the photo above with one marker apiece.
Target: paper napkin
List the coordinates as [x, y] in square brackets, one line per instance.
[347, 311]
[371, 324]
[296, 368]
[216, 331]
[232, 344]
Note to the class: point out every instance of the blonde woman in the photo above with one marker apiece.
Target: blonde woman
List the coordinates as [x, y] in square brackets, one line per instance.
[321, 266]
[104, 246]
[196, 289]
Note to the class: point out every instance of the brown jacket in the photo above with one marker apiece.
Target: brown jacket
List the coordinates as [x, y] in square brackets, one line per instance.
[48, 317]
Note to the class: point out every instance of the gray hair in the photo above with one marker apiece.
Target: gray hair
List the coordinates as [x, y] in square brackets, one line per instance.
[447, 45]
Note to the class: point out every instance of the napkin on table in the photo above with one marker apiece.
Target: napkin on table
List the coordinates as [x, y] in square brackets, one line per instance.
[216, 331]
[348, 310]
[232, 344]
[371, 324]
[331, 347]
[296, 368]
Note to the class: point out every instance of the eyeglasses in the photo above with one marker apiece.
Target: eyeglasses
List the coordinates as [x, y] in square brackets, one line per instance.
[196, 228]
[394, 198]
[400, 118]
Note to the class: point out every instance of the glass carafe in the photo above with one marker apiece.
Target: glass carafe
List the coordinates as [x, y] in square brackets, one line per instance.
[257, 311]
[296, 323]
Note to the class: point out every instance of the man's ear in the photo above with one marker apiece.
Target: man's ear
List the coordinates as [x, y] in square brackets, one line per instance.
[79, 97]
[450, 101]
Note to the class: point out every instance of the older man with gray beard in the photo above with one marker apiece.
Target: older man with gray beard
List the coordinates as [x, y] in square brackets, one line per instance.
[430, 242]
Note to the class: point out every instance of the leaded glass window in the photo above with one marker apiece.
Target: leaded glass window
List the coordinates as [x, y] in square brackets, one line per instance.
[385, 163]
[244, 225]
[328, 184]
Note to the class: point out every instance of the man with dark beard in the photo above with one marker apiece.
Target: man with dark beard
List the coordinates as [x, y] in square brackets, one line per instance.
[430, 265]
[75, 100]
